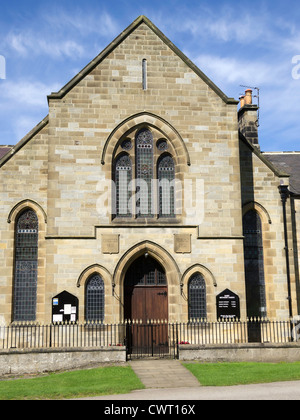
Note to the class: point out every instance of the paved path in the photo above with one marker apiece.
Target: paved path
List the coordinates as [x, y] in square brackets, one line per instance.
[168, 380]
[164, 374]
[284, 391]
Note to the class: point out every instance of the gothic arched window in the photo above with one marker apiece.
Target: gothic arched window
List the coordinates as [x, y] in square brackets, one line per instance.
[144, 172]
[123, 177]
[254, 265]
[166, 178]
[197, 297]
[95, 299]
[26, 266]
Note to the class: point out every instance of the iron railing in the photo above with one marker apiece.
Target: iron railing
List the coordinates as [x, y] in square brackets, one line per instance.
[150, 339]
[238, 332]
[66, 335]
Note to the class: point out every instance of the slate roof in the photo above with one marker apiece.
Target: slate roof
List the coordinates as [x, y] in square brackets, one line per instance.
[4, 150]
[288, 162]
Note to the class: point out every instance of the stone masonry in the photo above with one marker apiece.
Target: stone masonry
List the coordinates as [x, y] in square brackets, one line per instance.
[60, 169]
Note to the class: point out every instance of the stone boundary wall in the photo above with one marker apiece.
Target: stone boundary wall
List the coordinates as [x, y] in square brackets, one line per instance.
[20, 362]
[267, 353]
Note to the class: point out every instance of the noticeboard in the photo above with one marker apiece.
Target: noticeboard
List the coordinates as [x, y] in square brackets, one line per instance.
[65, 308]
[228, 306]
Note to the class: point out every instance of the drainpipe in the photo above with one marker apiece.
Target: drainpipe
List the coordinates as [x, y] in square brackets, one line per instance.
[284, 194]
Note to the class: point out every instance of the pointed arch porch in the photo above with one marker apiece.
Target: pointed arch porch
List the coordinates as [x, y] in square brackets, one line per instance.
[163, 257]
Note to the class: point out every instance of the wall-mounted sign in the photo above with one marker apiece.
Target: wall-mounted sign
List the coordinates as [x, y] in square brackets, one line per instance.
[228, 306]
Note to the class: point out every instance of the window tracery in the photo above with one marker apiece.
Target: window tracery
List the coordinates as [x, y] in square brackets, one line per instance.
[144, 175]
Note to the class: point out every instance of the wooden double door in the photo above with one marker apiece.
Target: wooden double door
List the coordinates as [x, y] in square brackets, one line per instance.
[146, 306]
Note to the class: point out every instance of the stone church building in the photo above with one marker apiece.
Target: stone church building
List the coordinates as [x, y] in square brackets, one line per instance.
[144, 195]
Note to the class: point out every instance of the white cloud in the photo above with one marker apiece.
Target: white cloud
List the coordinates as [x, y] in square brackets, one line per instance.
[32, 94]
[64, 34]
[242, 30]
[228, 25]
[100, 23]
[27, 44]
[292, 43]
[239, 71]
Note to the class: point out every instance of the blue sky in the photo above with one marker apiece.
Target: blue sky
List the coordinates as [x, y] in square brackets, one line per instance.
[254, 43]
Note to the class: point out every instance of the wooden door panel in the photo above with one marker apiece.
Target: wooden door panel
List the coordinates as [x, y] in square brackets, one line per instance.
[146, 303]
[138, 304]
[146, 299]
[157, 303]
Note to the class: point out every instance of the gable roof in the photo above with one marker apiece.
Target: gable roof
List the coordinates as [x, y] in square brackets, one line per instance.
[14, 149]
[290, 163]
[142, 19]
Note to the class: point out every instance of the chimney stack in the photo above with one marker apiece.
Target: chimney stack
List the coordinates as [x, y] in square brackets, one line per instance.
[248, 97]
[248, 118]
[242, 101]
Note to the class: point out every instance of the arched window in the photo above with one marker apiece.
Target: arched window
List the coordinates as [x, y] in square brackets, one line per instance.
[197, 297]
[123, 177]
[166, 178]
[26, 266]
[144, 172]
[95, 299]
[254, 265]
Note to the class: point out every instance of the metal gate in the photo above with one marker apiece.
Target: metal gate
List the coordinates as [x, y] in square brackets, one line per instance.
[158, 340]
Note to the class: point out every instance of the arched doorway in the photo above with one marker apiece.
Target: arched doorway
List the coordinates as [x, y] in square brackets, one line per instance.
[146, 307]
[146, 291]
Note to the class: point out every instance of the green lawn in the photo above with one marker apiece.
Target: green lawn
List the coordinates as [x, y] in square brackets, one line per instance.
[102, 381]
[122, 380]
[228, 374]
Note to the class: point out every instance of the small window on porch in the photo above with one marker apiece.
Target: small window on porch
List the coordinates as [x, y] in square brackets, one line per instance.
[197, 297]
[95, 299]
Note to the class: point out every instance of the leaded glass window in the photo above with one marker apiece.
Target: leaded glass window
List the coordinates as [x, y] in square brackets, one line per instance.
[162, 145]
[144, 172]
[197, 297]
[144, 176]
[123, 177]
[26, 266]
[95, 297]
[254, 265]
[166, 178]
